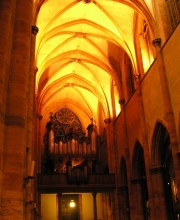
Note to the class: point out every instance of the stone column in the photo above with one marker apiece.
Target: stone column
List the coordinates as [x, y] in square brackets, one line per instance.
[124, 121]
[127, 154]
[169, 115]
[38, 153]
[123, 203]
[144, 138]
[12, 204]
[137, 201]
[110, 144]
[31, 116]
[94, 205]
[159, 210]
[59, 205]
[30, 156]
[31, 95]
[6, 27]
[115, 205]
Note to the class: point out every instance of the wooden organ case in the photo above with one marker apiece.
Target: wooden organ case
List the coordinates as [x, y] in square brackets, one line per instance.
[68, 148]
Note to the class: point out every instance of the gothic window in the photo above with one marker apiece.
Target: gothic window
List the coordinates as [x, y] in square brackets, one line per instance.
[174, 11]
[66, 124]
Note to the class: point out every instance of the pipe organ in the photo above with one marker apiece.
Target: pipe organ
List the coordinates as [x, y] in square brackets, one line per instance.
[72, 147]
[68, 149]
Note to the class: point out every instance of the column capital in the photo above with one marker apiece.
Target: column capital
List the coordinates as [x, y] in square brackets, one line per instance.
[35, 69]
[39, 116]
[157, 42]
[136, 76]
[35, 29]
[157, 169]
[122, 101]
[107, 121]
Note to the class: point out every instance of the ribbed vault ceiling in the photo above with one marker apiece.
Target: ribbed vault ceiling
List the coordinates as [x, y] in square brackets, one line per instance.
[78, 48]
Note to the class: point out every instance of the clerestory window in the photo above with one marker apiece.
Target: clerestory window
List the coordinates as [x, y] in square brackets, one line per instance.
[174, 11]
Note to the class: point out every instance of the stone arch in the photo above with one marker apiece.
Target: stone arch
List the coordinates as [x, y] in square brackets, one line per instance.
[138, 164]
[123, 172]
[139, 182]
[160, 145]
[163, 168]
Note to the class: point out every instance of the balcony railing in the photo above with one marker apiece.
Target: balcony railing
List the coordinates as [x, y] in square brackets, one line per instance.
[60, 182]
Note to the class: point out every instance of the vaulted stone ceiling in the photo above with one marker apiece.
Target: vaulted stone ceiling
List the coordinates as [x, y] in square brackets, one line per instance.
[79, 48]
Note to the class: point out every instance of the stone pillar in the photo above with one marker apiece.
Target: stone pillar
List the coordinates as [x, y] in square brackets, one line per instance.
[137, 211]
[94, 205]
[158, 211]
[140, 67]
[123, 203]
[38, 145]
[144, 138]
[124, 121]
[14, 155]
[31, 120]
[115, 203]
[110, 144]
[31, 95]
[6, 27]
[127, 154]
[169, 115]
[59, 205]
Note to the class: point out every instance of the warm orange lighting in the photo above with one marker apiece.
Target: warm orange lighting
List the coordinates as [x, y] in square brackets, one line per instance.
[77, 55]
[72, 204]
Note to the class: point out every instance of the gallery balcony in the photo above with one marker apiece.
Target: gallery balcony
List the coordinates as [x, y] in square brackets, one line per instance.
[61, 182]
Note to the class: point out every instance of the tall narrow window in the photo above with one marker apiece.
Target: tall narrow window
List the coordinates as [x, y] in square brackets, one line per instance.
[174, 11]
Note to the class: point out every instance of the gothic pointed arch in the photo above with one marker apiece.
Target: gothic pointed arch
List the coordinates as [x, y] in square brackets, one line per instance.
[66, 125]
[161, 158]
[123, 172]
[161, 151]
[139, 180]
[138, 164]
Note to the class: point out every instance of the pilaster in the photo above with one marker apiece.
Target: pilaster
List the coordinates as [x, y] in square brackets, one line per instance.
[110, 144]
[159, 210]
[6, 27]
[124, 211]
[137, 211]
[30, 154]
